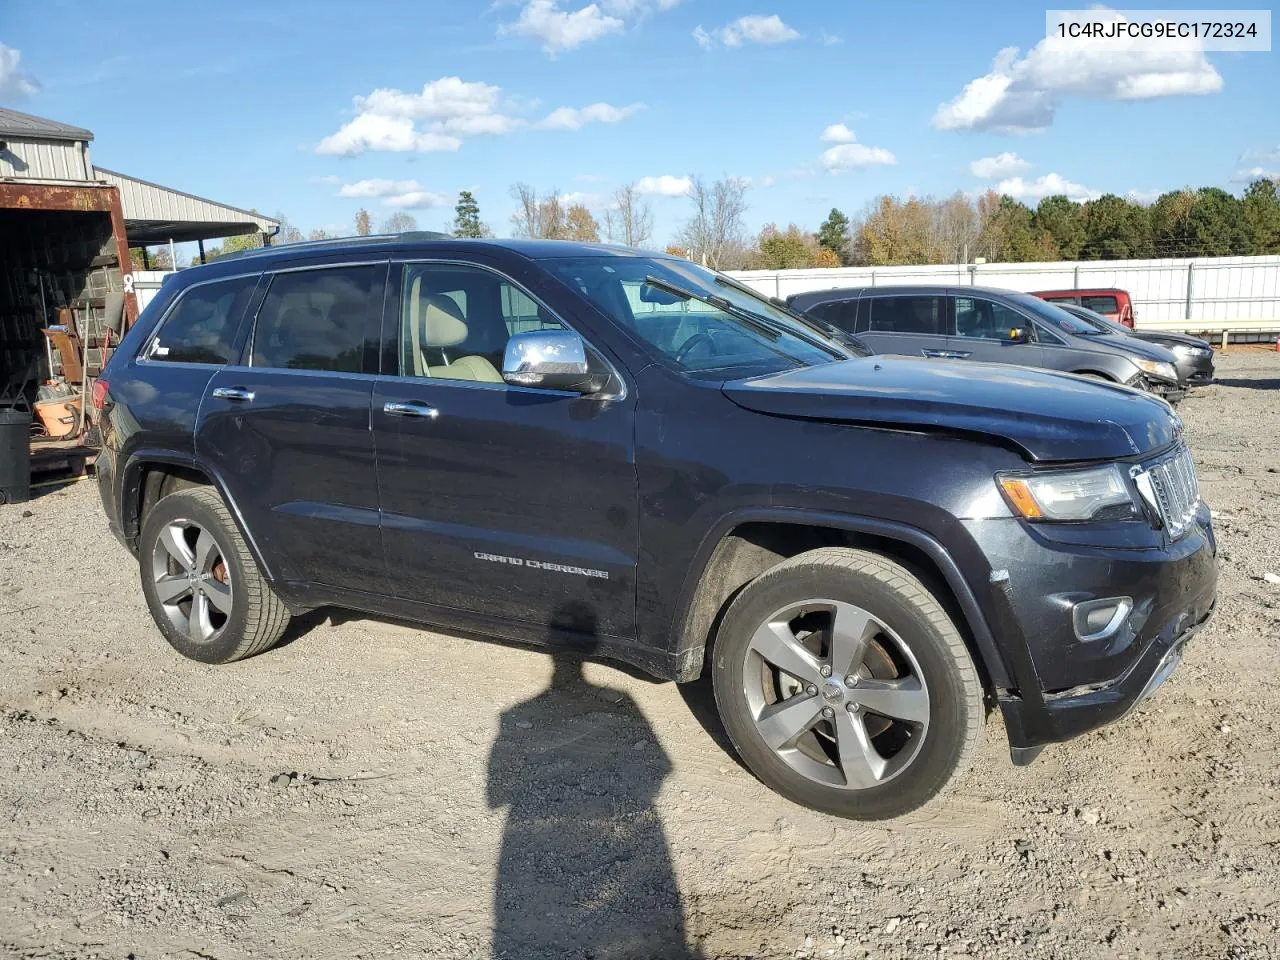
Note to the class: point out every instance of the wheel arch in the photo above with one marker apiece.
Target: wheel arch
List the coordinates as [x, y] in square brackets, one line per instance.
[744, 546]
[151, 474]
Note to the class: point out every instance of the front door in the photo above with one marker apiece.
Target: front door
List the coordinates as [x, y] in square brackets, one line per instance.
[499, 500]
[289, 431]
[982, 333]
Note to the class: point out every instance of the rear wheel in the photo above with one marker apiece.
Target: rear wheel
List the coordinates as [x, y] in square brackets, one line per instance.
[201, 583]
[844, 685]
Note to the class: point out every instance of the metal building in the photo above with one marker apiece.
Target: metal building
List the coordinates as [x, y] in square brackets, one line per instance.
[65, 232]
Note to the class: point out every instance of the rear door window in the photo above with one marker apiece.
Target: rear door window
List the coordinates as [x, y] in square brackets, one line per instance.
[839, 313]
[1101, 304]
[202, 326]
[324, 319]
[927, 315]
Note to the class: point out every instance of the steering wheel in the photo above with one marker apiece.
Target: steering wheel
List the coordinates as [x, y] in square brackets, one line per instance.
[697, 340]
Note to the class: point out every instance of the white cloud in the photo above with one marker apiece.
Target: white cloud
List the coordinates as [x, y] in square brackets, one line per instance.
[1143, 196]
[1020, 95]
[446, 111]
[829, 39]
[755, 28]
[838, 133]
[328, 179]
[1261, 156]
[665, 185]
[561, 30]
[1001, 165]
[855, 156]
[15, 83]
[372, 131]
[1049, 185]
[575, 118]
[398, 194]
[1250, 174]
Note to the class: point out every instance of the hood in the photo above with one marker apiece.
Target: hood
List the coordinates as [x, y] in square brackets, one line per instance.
[1168, 339]
[1050, 416]
[1124, 343]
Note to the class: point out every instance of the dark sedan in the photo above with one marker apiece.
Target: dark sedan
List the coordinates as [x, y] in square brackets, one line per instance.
[1194, 356]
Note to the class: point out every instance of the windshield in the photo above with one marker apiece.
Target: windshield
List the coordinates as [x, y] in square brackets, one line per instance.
[1055, 317]
[665, 303]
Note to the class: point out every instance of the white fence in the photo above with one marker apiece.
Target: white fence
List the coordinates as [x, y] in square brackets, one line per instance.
[145, 285]
[1216, 295]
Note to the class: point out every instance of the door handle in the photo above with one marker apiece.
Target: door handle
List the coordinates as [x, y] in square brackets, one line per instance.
[410, 408]
[232, 393]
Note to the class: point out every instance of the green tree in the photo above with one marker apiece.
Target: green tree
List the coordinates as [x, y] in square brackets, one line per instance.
[466, 222]
[833, 234]
[1216, 224]
[1116, 229]
[364, 225]
[1261, 214]
[1060, 217]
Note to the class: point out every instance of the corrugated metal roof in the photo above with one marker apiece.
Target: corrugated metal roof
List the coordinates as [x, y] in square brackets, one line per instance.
[154, 214]
[14, 123]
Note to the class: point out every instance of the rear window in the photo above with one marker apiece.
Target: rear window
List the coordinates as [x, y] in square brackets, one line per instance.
[1061, 299]
[1100, 304]
[201, 327]
[320, 319]
[907, 315]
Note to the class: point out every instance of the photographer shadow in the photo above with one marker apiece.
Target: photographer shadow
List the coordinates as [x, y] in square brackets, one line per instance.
[585, 870]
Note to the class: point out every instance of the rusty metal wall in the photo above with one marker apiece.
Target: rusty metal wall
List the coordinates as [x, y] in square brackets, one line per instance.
[45, 160]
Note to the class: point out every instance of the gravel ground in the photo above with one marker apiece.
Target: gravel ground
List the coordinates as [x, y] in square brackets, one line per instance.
[370, 788]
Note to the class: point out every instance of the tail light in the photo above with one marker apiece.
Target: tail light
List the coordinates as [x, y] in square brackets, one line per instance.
[100, 388]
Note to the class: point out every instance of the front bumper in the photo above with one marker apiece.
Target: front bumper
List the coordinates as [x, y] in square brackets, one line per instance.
[1195, 371]
[1065, 686]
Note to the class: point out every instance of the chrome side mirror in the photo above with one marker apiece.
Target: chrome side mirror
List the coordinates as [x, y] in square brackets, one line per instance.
[551, 359]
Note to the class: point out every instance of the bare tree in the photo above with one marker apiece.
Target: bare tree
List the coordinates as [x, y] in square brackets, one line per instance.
[544, 218]
[715, 234]
[399, 223]
[630, 220]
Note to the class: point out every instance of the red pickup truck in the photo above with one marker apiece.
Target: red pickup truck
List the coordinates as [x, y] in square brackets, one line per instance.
[1111, 303]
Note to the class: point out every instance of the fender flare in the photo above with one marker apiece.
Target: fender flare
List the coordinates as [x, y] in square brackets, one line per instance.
[994, 661]
[130, 495]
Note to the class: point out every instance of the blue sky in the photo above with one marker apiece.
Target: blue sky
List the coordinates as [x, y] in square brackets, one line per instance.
[273, 105]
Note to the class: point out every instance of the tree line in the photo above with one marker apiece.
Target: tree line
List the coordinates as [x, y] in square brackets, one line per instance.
[1208, 222]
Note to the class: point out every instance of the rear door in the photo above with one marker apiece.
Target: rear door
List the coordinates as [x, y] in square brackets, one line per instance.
[911, 325]
[982, 333]
[288, 429]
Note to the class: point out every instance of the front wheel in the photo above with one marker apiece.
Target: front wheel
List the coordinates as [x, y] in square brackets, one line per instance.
[845, 686]
[201, 583]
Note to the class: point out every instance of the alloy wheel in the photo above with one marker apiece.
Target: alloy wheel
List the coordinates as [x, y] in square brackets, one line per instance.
[191, 580]
[836, 694]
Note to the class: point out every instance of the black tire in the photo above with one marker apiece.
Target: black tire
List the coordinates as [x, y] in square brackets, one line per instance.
[893, 598]
[257, 617]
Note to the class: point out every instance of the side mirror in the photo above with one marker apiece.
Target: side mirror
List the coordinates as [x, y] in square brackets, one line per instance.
[551, 359]
[1019, 335]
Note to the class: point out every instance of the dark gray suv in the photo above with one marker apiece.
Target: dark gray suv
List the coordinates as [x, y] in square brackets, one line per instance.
[990, 326]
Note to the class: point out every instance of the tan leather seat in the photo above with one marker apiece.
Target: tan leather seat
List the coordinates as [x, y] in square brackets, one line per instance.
[436, 321]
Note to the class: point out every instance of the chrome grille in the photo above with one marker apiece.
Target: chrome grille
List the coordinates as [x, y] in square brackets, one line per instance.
[1170, 487]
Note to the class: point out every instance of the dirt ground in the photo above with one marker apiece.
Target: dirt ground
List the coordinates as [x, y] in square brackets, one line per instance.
[369, 788]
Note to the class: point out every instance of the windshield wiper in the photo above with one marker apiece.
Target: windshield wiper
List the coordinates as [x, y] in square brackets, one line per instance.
[758, 324]
[821, 327]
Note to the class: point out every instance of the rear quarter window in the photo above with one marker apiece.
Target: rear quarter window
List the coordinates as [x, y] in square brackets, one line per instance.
[201, 327]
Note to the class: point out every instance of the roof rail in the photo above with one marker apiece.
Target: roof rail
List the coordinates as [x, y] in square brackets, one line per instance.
[337, 243]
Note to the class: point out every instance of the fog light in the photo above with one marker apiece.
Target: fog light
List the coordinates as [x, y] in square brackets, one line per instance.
[1100, 619]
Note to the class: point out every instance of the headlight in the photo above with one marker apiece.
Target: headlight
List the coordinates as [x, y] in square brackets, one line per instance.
[1189, 350]
[1158, 369]
[1069, 494]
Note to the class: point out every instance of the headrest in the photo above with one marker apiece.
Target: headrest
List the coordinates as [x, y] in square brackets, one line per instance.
[442, 322]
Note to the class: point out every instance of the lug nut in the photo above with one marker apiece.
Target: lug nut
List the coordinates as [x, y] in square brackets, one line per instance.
[851, 680]
[851, 707]
[811, 689]
[828, 712]
[825, 670]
